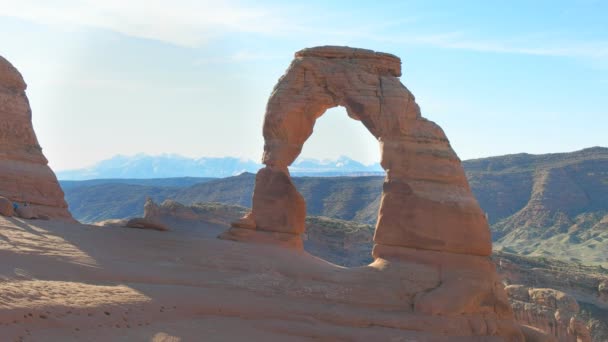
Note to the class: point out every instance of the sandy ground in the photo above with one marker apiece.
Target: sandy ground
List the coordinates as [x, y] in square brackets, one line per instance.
[70, 282]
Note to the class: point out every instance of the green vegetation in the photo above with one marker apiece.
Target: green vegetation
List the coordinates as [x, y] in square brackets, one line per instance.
[105, 201]
[552, 205]
[572, 277]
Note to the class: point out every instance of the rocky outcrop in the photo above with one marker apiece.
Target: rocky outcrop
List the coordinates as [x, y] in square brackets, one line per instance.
[602, 290]
[143, 223]
[6, 207]
[430, 229]
[24, 174]
[582, 284]
[112, 223]
[151, 220]
[170, 211]
[549, 310]
[26, 212]
[424, 174]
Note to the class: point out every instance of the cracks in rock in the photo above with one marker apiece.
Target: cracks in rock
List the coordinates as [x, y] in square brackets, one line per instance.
[408, 103]
[381, 95]
[424, 293]
[335, 98]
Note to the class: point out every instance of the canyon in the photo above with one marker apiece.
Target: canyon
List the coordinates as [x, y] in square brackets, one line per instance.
[430, 275]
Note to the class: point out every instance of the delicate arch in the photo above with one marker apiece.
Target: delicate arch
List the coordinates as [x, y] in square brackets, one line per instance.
[426, 201]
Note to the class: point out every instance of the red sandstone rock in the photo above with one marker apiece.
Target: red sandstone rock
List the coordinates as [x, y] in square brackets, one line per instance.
[432, 240]
[169, 208]
[24, 174]
[43, 217]
[6, 207]
[26, 212]
[533, 334]
[143, 223]
[551, 311]
[277, 204]
[424, 175]
[246, 222]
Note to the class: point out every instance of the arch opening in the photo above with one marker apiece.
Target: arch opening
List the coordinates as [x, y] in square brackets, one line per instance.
[336, 135]
[429, 224]
[341, 207]
[426, 203]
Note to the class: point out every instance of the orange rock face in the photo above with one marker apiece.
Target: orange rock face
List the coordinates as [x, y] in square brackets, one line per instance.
[6, 207]
[24, 173]
[424, 175]
[143, 223]
[430, 228]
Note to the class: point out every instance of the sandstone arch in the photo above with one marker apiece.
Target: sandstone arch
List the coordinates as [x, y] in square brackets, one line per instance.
[426, 203]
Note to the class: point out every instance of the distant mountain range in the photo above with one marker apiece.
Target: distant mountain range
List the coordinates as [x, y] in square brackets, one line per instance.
[143, 166]
[543, 205]
[546, 205]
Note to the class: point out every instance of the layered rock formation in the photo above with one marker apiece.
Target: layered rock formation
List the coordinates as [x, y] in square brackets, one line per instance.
[549, 310]
[577, 284]
[430, 230]
[424, 174]
[6, 207]
[24, 173]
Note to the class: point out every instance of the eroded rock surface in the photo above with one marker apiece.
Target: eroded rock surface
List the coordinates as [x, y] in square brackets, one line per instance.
[549, 310]
[580, 283]
[24, 173]
[143, 223]
[6, 207]
[430, 228]
[424, 175]
[71, 282]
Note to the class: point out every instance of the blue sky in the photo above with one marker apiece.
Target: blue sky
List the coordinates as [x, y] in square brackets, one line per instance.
[193, 77]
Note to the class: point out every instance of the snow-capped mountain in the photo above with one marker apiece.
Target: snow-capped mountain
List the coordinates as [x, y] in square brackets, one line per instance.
[172, 165]
[341, 165]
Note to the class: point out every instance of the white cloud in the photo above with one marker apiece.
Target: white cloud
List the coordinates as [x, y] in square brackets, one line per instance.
[181, 22]
[123, 85]
[193, 22]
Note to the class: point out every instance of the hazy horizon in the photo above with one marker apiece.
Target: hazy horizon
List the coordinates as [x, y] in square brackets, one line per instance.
[193, 78]
[299, 159]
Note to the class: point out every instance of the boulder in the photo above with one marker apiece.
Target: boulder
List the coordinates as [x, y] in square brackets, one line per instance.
[112, 223]
[26, 212]
[6, 207]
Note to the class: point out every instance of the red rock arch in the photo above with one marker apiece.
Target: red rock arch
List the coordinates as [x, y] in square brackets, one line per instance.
[426, 202]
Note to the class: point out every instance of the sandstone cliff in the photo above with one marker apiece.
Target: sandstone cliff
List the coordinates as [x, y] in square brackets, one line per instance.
[582, 286]
[24, 173]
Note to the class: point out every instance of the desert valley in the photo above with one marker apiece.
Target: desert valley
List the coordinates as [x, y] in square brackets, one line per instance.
[183, 173]
[305, 262]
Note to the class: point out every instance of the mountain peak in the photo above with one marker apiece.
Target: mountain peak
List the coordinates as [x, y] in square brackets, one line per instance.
[167, 165]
